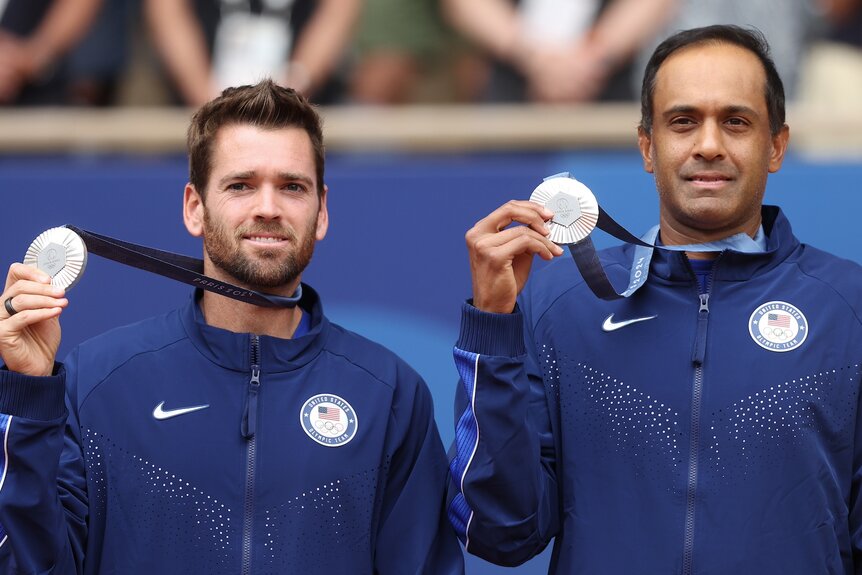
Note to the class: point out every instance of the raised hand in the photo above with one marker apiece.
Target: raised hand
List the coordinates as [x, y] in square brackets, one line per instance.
[501, 256]
[29, 338]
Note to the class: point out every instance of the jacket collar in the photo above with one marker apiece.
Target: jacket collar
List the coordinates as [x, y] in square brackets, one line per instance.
[233, 350]
[731, 265]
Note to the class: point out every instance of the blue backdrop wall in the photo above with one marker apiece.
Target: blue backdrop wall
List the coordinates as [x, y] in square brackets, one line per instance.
[394, 265]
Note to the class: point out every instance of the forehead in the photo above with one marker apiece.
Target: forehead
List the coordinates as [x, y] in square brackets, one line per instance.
[711, 73]
[247, 148]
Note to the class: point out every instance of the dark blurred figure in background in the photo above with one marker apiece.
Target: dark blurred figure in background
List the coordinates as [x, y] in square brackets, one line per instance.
[207, 45]
[104, 53]
[405, 53]
[97, 65]
[34, 37]
[559, 50]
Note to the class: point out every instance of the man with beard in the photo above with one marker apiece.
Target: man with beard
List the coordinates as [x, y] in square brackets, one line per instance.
[221, 437]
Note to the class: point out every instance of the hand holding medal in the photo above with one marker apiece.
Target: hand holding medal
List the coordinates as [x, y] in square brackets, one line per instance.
[33, 299]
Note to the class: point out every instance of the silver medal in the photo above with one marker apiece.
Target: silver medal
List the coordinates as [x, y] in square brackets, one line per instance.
[60, 253]
[575, 208]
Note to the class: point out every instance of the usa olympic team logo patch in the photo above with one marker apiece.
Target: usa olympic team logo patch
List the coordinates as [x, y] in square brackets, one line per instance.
[778, 326]
[328, 420]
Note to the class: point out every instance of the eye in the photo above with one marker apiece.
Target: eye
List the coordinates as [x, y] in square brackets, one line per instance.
[682, 122]
[294, 187]
[237, 186]
[736, 122]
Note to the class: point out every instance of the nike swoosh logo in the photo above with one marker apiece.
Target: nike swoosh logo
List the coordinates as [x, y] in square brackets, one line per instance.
[161, 414]
[611, 325]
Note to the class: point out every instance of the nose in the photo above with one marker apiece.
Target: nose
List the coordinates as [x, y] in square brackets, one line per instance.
[709, 144]
[266, 205]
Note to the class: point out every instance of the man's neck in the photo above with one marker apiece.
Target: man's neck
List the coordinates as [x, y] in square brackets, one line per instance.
[678, 237]
[240, 317]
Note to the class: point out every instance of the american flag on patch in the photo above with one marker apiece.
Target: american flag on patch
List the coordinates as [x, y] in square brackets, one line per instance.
[330, 413]
[778, 320]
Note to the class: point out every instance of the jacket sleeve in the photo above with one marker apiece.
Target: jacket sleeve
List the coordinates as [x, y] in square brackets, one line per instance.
[43, 504]
[503, 496]
[413, 535]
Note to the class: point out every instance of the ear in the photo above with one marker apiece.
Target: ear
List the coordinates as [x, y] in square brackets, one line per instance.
[645, 146]
[193, 211]
[322, 215]
[779, 146]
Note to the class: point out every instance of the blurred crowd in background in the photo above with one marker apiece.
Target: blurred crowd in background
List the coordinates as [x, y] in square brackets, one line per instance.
[390, 52]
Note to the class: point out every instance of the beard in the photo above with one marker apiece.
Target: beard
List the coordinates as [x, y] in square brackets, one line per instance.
[270, 269]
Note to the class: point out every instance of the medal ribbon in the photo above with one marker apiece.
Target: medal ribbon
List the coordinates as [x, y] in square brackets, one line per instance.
[177, 267]
[587, 260]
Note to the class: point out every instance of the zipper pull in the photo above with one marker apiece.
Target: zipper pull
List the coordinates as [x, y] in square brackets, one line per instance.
[249, 416]
[700, 340]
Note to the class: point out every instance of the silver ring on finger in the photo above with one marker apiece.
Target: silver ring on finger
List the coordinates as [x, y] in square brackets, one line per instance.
[7, 303]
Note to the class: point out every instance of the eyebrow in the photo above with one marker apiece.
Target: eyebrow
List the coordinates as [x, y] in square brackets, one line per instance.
[250, 174]
[734, 109]
[296, 177]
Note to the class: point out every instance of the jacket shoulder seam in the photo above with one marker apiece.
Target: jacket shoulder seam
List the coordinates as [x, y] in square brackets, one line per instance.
[830, 287]
[123, 363]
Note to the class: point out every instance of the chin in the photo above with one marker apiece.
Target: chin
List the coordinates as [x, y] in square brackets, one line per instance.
[721, 226]
[708, 208]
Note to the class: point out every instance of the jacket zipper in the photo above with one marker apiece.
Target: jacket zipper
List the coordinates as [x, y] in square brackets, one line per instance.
[249, 426]
[698, 354]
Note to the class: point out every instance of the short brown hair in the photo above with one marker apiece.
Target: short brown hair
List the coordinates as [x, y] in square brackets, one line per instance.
[265, 105]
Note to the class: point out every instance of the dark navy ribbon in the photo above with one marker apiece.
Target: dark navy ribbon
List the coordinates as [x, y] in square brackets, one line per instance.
[587, 260]
[177, 267]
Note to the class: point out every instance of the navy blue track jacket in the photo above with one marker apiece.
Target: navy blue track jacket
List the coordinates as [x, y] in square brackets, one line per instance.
[184, 448]
[671, 432]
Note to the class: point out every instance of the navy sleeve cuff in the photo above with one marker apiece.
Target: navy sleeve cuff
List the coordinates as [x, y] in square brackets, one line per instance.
[500, 334]
[38, 398]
